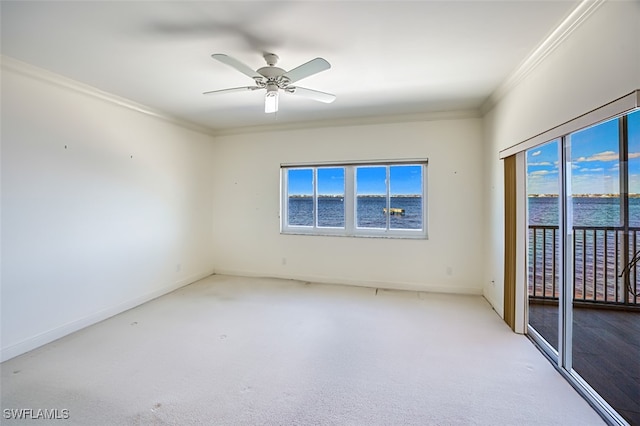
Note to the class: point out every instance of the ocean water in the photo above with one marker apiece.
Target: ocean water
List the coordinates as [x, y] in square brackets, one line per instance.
[586, 211]
[369, 212]
[597, 251]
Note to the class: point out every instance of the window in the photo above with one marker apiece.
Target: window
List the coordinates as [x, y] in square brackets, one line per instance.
[361, 199]
[315, 197]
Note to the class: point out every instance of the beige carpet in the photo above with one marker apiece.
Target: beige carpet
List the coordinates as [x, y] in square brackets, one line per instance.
[247, 351]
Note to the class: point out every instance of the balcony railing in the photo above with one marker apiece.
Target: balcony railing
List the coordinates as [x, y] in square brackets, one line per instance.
[600, 255]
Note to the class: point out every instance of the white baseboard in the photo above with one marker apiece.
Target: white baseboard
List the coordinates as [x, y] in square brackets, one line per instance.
[396, 285]
[49, 336]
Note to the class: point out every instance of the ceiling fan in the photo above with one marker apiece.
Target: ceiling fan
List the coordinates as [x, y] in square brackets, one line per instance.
[274, 79]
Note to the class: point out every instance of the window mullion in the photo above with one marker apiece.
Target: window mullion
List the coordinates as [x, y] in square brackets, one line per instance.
[349, 199]
[388, 187]
[315, 197]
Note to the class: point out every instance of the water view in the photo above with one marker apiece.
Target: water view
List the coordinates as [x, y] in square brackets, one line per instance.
[370, 212]
[587, 211]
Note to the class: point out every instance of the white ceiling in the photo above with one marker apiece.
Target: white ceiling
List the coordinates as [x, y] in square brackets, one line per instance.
[387, 57]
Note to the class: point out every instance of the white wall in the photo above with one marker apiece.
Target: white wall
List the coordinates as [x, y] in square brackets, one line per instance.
[599, 62]
[246, 196]
[100, 204]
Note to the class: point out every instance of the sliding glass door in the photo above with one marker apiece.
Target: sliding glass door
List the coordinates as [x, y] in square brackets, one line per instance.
[584, 242]
[543, 189]
[605, 349]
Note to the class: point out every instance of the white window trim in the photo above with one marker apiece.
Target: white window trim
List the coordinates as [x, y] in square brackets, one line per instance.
[350, 229]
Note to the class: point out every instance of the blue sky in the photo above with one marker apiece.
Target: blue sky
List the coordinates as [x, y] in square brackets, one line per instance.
[594, 161]
[300, 181]
[405, 180]
[331, 181]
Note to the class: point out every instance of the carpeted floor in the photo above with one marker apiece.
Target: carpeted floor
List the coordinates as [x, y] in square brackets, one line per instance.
[248, 351]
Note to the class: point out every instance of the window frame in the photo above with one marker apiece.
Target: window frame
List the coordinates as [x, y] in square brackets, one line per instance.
[350, 205]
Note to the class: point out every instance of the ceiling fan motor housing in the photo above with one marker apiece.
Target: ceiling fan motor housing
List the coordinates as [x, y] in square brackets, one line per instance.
[273, 76]
[271, 72]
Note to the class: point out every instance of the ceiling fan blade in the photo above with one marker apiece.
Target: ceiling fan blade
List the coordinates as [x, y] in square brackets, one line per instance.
[312, 94]
[233, 89]
[314, 66]
[236, 64]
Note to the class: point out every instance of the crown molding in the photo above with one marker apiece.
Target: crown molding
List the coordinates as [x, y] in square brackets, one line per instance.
[34, 72]
[23, 68]
[576, 18]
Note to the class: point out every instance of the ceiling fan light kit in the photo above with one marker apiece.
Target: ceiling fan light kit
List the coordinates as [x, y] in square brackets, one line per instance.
[273, 79]
[271, 99]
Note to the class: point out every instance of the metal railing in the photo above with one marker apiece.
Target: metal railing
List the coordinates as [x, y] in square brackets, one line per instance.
[600, 255]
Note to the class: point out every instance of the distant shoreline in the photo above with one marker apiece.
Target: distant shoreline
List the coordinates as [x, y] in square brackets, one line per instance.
[634, 195]
[359, 196]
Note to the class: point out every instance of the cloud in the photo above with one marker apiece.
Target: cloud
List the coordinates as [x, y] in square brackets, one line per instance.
[601, 156]
[542, 163]
[597, 169]
[605, 156]
[535, 154]
[543, 172]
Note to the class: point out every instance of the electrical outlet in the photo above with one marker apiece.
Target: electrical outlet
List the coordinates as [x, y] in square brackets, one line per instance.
[284, 261]
[178, 267]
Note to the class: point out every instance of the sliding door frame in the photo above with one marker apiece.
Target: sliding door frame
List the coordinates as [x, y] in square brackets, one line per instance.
[565, 215]
[563, 359]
